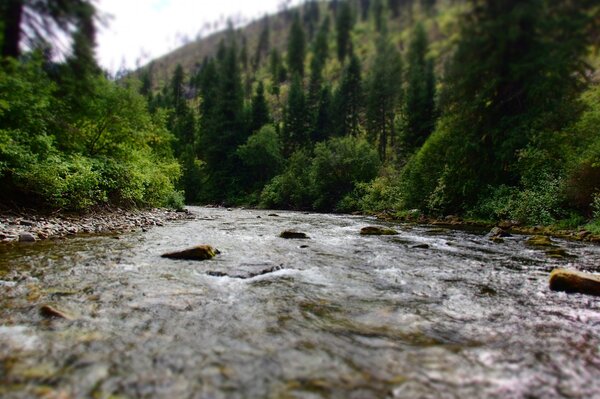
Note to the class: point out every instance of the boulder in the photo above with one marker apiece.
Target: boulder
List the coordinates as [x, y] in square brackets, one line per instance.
[26, 237]
[291, 234]
[573, 281]
[498, 232]
[377, 231]
[200, 252]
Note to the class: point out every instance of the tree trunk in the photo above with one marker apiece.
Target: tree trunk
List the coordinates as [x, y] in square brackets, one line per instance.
[12, 13]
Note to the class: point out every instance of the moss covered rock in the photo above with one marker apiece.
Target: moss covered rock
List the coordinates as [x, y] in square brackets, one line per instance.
[575, 282]
[377, 231]
[539, 241]
[200, 252]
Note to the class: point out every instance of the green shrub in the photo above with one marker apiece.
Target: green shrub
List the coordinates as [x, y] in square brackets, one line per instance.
[338, 166]
[292, 188]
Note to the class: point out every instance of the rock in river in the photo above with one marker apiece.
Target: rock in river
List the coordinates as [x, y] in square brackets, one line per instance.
[50, 312]
[539, 241]
[290, 234]
[200, 252]
[377, 231]
[575, 281]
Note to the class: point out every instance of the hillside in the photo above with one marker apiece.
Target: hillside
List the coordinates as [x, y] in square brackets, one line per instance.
[483, 109]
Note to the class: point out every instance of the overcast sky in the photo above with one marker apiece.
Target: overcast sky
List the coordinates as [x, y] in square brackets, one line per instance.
[140, 30]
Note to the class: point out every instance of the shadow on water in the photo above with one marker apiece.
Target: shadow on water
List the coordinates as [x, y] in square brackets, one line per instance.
[427, 313]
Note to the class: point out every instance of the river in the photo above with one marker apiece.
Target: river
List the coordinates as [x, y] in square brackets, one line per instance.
[428, 313]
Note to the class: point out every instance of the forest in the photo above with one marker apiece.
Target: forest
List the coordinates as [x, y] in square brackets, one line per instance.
[484, 109]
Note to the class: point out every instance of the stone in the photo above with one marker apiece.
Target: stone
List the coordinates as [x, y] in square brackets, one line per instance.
[539, 241]
[498, 232]
[377, 231]
[420, 246]
[273, 215]
[200, 252]
[558, 253]
[293, 235]
[573, 281]
[50, 312]
[26, 237]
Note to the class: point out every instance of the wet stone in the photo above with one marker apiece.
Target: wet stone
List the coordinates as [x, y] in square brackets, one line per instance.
[377, 231]
[573, 281]
[293, 235]
[200, 252]
[539, 241]
[26, 237]
[50, 312]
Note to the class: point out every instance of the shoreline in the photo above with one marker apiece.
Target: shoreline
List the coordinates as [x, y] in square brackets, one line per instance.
[455, 222]
[22, 226]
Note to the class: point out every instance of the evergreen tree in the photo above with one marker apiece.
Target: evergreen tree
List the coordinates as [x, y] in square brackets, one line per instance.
[259, 115]
[323, 123]
[377, 10]
[384, 94]
[296, 124]
[264, 43]
[499, 83]
[344, 23]
[225, 128]
[365, 5]
[419, 110]
[512, 83]
[296, 48]
[348, 99]
[320, 52]
[394, 6]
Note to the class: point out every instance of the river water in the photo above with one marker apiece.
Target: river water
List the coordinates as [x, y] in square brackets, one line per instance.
[338, 315]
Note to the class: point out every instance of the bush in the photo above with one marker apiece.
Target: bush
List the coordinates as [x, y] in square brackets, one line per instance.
[337, 167]
[292, 188]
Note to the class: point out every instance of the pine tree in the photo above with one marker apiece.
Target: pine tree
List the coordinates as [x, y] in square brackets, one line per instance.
[264, 43]
[348, 99]
[384, 94]
[320, 53]
[365, 6]
[344, 22]
[259, 115]
[296, 48]
[499, 83]
[323, 123]
[296, 124]
[394, 6]
[377, 9]
[419, 110]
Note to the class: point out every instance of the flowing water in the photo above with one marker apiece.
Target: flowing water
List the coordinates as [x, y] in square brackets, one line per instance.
[338, 315]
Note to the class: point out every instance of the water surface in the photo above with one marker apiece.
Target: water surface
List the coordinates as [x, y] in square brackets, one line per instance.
[340, 315]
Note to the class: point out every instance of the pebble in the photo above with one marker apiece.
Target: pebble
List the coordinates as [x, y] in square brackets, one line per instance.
[30, 228]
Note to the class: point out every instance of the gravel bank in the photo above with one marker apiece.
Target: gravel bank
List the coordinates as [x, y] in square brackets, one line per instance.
[23, 227]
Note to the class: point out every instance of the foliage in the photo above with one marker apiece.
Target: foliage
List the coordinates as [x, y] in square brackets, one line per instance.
[114, 153]
[261, 156]
[338, 166]
[323, 180]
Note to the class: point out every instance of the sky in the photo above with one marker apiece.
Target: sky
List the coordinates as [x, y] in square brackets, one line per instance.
[136, 31]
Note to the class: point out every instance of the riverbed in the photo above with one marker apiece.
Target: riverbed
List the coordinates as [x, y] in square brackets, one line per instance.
[428, 313]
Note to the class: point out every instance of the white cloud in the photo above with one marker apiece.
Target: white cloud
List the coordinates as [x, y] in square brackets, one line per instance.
[138, 30]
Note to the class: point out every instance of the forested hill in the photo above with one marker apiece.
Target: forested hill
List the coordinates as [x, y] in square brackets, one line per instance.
[487, 109]
[481, 108]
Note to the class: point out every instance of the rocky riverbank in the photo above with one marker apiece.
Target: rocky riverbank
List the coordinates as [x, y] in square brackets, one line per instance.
[28, 227]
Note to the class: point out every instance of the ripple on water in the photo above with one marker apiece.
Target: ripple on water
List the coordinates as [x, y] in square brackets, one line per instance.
[345, 316]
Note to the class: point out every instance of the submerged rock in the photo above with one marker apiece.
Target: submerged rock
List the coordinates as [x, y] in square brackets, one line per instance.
[573, 281]
[420, 246]
[291, 234]
[558, 253]
[539, 241]
[377, 231]
[200, 252]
